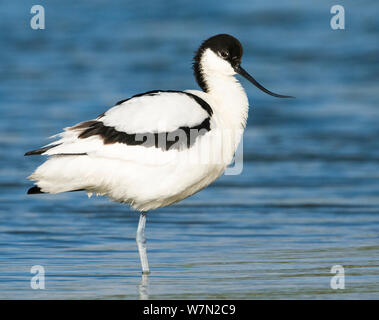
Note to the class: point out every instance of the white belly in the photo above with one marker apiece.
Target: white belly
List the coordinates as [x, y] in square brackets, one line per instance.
[145, 185]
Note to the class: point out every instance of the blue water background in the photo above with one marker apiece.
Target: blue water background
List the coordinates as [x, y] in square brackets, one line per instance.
[308, 197]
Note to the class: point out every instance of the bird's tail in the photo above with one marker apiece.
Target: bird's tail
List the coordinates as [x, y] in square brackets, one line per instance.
[58, 174]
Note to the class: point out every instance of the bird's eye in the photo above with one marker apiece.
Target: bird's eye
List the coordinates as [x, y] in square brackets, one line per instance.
[224, 54]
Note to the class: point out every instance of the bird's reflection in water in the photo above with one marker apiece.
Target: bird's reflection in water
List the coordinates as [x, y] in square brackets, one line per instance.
[143, 288]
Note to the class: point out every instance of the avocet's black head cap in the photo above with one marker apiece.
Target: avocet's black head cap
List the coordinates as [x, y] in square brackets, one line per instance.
[229, 49]
[224, 45]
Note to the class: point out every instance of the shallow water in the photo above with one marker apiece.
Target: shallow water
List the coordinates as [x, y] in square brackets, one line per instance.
[308, 197]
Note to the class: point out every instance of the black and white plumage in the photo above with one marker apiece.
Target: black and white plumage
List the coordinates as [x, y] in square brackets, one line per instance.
[145, 150]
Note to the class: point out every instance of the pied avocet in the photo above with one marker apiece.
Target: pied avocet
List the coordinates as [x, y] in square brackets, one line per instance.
[143, 150]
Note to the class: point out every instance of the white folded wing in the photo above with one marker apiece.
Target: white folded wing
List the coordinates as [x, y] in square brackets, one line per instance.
[149, 113]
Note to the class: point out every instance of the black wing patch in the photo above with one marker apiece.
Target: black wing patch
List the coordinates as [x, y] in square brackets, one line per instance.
[180, 138]
[41, 150]
[34, 190]
[37, 190]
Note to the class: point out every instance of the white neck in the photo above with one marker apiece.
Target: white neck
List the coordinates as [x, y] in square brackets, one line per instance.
[230, 109]
[230, 99]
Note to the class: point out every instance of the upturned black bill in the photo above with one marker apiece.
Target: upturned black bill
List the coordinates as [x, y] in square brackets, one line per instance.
[247, 76]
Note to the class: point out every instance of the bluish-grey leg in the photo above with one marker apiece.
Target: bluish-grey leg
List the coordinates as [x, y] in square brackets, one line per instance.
[143, 288]
[141, 243]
